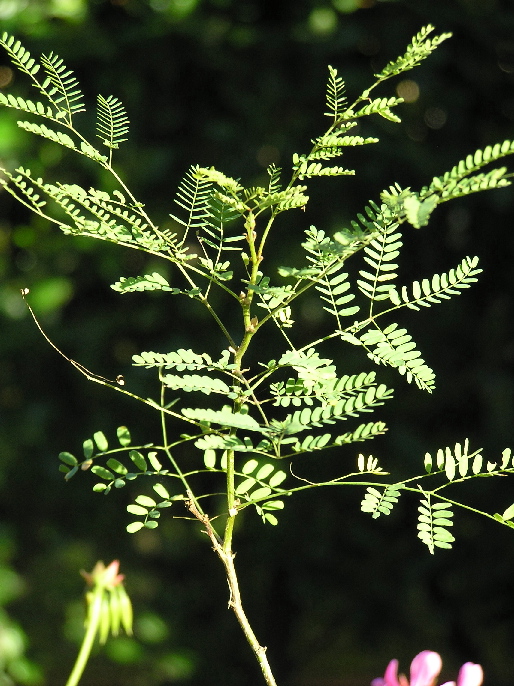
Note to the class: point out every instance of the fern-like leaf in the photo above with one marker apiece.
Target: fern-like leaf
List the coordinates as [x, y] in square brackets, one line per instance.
[63, 139]
[460, 463]
[99, 215]
[380, 502]
[418, 212]
[212, 232]
[334, 291]
[265, 476]
[225, 417]
[148, 282]
[440, 287]
[274, 172]
[346, 385]
[112, 123]
[307, 169]
[92, 213]
[291, 392]
[323, 252]
[311, 368]
[369, 464]
[329, 145]
[295, 391]
[61, 87]
[218, 441]
[419, 49]
[362, 433]
[433, 520]
[311, 442]
[20, 186]
[363, 401]
[450, 184]
[260, 486]
[395, 347]
[193, 196]
[227, 183]
[381, 106]
[271, 296]
[380, 254]
[18, 103]
[496, 178]
[183, 360]
[55, 136]
[337, 139]
[19, 56]
[195, 382]
[284, 200]
[335, 94]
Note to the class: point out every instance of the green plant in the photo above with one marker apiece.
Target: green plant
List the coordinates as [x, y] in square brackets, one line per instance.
[261, 415]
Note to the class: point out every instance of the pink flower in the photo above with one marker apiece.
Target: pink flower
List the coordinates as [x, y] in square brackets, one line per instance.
[424, 670]
[107, 577]
[469, 675]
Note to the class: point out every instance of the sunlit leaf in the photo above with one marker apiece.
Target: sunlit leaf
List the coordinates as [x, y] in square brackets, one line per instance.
[123, 436]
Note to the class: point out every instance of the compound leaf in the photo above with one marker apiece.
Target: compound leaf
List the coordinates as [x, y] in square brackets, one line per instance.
[378, 502]
[112, 122]
[432, 522]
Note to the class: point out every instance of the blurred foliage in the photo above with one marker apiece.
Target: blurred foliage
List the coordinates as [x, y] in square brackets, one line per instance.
[333, 595]
[14, 666]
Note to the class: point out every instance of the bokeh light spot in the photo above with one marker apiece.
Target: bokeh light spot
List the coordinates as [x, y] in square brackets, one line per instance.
[50, 294]
[348, 6]
[6, 76]
[408, 90]
[69, 9]
[322, 20]
[435, 118]
[267, 154]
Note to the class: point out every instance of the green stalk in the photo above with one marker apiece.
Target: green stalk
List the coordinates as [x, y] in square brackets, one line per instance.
[89, 637]
[231, 503]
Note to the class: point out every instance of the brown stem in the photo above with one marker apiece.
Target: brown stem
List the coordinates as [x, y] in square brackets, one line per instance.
[235, 602]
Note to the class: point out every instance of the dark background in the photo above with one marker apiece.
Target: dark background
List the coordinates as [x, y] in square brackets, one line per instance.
[334, 595]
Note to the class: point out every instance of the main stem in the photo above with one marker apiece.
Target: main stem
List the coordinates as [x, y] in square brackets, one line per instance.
[227, 557]
[223, 547]
[224, 551]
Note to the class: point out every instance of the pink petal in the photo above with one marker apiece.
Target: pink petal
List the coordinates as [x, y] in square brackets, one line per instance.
[425, 668]
[110, 577]
[470, 675]
[390, 676]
